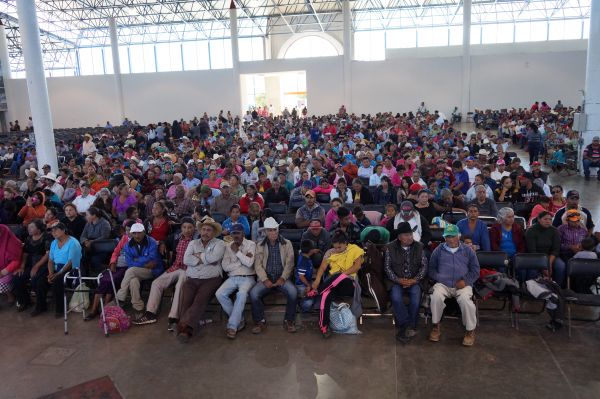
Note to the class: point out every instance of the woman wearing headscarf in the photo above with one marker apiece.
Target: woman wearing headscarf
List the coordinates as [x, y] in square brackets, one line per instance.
[11, 250]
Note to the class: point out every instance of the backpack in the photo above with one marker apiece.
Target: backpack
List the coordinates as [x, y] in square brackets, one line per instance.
[116, 320]
[341, 319]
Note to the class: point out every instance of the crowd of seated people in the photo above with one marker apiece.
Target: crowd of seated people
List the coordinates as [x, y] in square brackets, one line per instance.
[211, 208]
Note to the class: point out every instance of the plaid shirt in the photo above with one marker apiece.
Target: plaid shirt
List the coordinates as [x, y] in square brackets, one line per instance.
[274, 267]
[179, 252]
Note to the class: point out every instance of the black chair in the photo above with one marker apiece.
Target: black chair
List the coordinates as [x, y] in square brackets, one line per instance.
[521, 222]
[488, 220]
[522, 209]
[323, 198]
[437, 235]
[326, 207]
[219, 217]
[526, 262]
[286, 220]
[589, 269]
[278, 209]
[494, 260]
[294, 235]
[102, 249]
[454, 217]
[501, 205]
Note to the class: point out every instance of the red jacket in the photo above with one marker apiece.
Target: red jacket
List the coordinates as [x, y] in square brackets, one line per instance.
[517, 235]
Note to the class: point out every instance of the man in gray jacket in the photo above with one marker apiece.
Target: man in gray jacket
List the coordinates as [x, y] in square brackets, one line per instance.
[455, 268]
[203, 260]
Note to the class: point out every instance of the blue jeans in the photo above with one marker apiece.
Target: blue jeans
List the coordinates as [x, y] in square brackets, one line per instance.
[559, 271]
[235, 310]
[587, 164]
[260, 290]
[306, 303]
[404, 317]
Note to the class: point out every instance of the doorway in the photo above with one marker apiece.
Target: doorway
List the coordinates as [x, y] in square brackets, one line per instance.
[272, 93]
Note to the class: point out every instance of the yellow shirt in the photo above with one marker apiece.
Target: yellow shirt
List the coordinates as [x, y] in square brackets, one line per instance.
[339, 263]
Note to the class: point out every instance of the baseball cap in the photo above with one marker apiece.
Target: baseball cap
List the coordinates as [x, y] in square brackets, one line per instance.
[236, 228]
[574, 215]
[451, 231]
[596, 138]
[137, 228]
[415, 187]
[225, 183]
[470, 159]
[536, 163]
[310, 193]
[500, 162]
[406, 206]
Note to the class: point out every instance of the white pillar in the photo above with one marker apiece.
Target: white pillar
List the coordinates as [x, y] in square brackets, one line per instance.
[592, 77]
[347, 13]
[466, 60]
[36, 84]
[4, 58]
[114, 47]
[235, 59]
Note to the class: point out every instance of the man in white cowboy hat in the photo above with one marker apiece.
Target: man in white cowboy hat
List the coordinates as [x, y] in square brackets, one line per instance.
[204, 276]
[274, 265]
[88, 145]
[50, 181]
[248, 176]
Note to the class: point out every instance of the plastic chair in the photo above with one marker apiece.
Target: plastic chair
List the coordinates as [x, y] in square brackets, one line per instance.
[527, 262]
[294, 235]
[286, 220]
[278, 208]
[578, 268]
[454, 217]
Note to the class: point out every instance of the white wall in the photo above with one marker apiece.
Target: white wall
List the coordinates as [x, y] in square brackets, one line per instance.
[501, 76]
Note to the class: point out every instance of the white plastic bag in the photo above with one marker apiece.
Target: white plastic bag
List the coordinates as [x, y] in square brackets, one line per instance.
[80, 299]
[341, 319]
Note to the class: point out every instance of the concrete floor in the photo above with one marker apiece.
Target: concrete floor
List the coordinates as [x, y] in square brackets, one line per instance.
[149, 362]
[38, 359]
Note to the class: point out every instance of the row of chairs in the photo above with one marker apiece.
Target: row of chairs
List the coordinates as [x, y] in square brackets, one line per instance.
[576, 268]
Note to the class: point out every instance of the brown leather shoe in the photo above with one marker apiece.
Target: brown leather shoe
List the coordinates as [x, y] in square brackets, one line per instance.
[434, 335]
[469, 338]
[290, 326]
[259, 327]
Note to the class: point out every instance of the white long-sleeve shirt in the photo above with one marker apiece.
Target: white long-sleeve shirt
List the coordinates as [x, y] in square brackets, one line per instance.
[240, 263]
[204, 262]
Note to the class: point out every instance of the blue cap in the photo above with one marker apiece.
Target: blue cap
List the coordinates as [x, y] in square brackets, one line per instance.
[470, 159]
[237, 228]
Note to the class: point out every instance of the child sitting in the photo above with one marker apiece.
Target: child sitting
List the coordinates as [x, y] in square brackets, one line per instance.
[558, 159]
[390, 213]
[304, 273]
[587, 249]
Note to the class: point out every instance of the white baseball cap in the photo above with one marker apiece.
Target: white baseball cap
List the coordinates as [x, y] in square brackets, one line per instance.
[137, 228]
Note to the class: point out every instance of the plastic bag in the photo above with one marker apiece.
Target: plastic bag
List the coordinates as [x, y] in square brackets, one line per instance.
[341, 319]
[80, 299]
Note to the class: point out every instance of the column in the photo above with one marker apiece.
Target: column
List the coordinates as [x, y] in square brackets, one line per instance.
[592, 78]
[235, 59]
[466, 61]
[348, 39]
[36, 84]
[4, 58]
[114, 47]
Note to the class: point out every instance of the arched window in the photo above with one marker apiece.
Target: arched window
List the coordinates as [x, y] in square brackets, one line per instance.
[311, 46]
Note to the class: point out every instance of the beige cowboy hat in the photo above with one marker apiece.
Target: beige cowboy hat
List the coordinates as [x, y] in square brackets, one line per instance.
[211, 222]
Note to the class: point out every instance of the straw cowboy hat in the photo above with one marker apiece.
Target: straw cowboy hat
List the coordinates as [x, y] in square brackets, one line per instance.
[210, 222]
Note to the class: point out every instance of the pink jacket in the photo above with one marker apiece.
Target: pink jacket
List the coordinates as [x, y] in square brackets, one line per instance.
[115, 255]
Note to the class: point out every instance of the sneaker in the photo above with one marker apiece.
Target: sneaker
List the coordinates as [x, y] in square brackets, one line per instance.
[230, 333]
[401, 336]
[469, 338]
[146, 318]
[434, 335]
[172, 326]
[259, 327]
[290, 326]
[410, 332]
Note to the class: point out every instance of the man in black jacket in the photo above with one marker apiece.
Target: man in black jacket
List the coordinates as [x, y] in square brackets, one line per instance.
[405, 267]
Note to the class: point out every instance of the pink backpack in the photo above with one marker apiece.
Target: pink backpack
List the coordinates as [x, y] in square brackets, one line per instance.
[116, 319]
